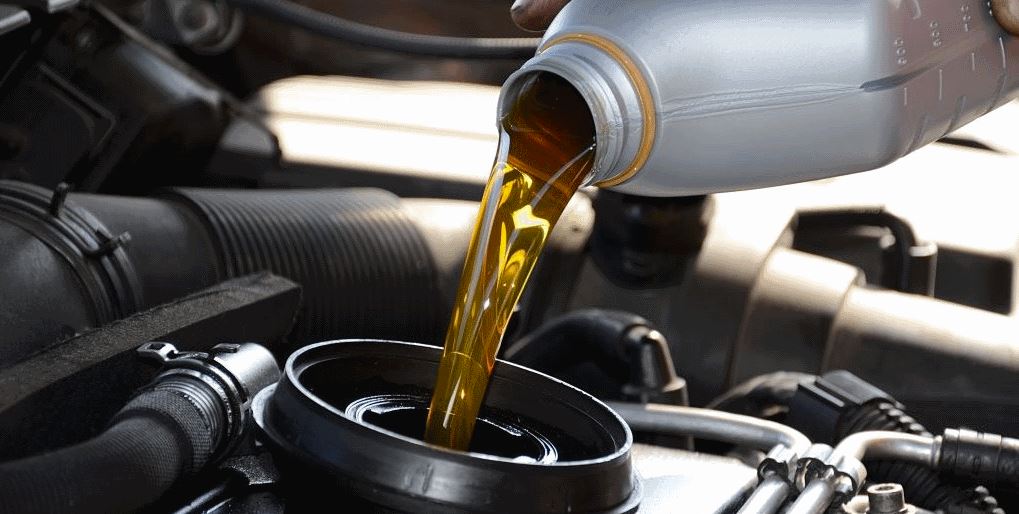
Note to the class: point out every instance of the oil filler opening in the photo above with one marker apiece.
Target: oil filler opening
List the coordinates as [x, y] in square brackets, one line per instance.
[344, 407]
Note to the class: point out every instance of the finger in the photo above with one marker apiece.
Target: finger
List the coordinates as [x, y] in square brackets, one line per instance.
[535, 15]
[1007, 14]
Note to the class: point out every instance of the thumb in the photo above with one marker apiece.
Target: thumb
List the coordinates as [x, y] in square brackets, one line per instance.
[1007, 14]
[535, 15]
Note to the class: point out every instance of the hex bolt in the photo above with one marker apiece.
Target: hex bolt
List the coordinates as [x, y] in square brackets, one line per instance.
[886, 499]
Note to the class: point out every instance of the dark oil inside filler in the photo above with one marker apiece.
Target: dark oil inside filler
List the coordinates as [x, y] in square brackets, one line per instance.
[546, 151]
[498, 433]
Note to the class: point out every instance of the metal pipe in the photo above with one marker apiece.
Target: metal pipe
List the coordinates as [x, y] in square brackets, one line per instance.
[916, 449]
[815, 497]
[922, 450]
[710, 424]
[715, 425]
[767, 497]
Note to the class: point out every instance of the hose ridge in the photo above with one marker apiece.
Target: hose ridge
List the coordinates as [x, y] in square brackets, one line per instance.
[356, 252]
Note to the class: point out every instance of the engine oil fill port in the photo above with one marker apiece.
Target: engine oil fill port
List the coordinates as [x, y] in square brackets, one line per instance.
[345, 424]
[495, 433]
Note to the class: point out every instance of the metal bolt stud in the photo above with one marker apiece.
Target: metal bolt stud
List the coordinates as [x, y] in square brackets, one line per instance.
[887, 499]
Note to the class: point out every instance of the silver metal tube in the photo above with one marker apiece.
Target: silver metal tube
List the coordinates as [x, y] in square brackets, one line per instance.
[768, 497]
[710, 424]
[815, 498]
[818, 494]
[714, 425]
[916, 449]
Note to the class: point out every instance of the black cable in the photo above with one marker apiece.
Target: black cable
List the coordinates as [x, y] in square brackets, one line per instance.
[334, 27]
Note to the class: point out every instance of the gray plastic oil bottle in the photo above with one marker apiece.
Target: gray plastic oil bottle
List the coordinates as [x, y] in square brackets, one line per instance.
[700, 96]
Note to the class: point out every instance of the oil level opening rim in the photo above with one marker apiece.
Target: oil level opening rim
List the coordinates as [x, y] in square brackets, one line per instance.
[314, 434]
[304, 358]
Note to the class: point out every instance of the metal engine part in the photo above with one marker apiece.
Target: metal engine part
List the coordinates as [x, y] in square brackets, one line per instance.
[686, 354]
[881, 499]
[751, 281]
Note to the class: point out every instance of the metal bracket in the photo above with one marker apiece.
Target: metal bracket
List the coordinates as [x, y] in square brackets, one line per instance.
[157, 352]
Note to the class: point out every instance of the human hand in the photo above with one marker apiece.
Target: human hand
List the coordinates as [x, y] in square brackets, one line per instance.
[537, 14]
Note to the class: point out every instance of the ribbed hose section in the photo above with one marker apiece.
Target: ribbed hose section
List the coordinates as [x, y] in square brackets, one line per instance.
[364, 268]
[205, 426]
[923, 487]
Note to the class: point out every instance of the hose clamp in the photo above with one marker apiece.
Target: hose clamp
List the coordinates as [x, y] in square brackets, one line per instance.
[778, 463]
[821, 463]
[234, 372]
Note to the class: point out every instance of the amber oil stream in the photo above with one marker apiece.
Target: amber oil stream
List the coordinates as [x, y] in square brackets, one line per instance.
[546, 150]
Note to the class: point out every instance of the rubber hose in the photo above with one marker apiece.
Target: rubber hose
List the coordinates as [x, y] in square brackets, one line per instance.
[981, 457]
[588, 335]
[761, 396]
[923, 486]
[334, 27]
[160, 436]
[364, 267]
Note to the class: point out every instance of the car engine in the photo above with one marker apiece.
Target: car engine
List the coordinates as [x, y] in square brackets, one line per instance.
[230, 243]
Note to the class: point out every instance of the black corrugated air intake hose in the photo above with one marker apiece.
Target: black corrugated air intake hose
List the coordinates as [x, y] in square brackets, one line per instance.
[363, 266]
[838, 404]
[77, 261]
[334, 27]
[189, 416]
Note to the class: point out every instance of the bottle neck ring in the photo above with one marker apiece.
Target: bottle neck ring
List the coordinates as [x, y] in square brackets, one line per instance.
[636, 86]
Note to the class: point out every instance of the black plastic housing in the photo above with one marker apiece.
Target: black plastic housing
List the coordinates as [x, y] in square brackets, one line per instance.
[392, 471]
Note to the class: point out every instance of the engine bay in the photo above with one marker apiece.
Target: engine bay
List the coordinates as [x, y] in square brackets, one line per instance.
[230, 250]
